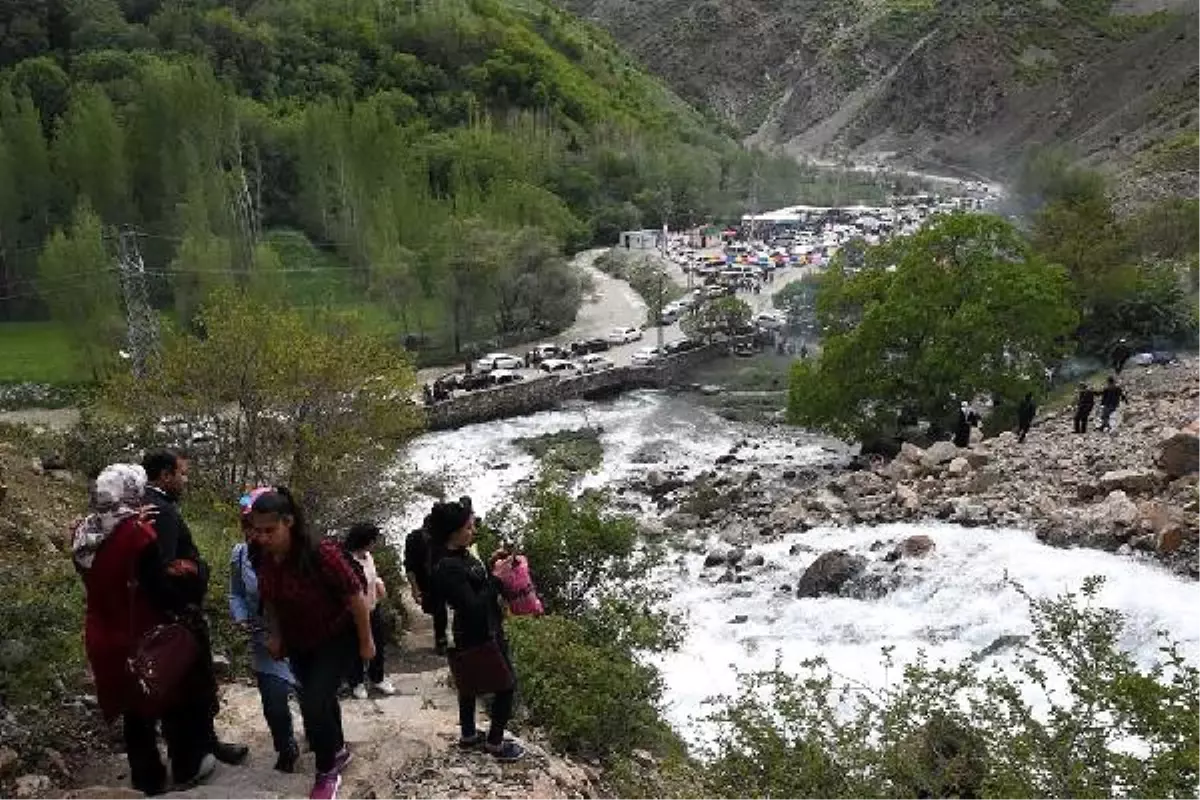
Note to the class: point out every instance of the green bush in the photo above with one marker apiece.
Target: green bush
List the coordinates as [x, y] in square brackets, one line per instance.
[964, 731]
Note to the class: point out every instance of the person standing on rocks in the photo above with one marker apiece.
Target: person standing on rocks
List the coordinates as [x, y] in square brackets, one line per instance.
[167, 474]
[419, 562]
[317, 613]
[473, 592]
[274, 677]
[1084, 404]
[130, 590]
[1110, 397]
[1026, 411]
[962, 425]
[1120, 354]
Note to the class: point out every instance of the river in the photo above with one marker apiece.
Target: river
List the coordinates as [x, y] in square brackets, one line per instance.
[952, 604]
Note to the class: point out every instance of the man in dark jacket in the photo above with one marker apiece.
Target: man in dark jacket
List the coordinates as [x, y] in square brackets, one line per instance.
[1025, 414]
[167, 476]
[1120, 354]
[1111, 397]
[418, 565]
[1083, 407]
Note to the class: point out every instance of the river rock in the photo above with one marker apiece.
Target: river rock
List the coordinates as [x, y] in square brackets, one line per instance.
[739, 619]
[910, 453]
[977, 458]
[30, 786]
[682, 521]
[1004, 642]
[1117, 509]
[908, 498]
[827, 574]
[8, 760]
[912, 547]
[959, 466]
[723, 554]
[939, 453]
[754, 560]
[1179, 453]
[1137, 481]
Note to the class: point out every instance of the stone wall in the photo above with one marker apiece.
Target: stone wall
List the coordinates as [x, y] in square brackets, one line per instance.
[546, 392]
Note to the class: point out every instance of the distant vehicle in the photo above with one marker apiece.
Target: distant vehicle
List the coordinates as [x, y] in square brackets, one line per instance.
[680, 346]
[623, 335]
[544, 351]
[559, 365]
[500, 377]
[647, 355]
[714, 292]
[594, 363]
[769, 321]
[498, 361]
[581, 347]
[670, 315]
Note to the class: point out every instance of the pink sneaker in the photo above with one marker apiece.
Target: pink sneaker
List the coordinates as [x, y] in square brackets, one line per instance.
[326, 786]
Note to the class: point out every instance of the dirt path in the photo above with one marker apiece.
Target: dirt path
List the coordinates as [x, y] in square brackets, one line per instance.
[404, 746]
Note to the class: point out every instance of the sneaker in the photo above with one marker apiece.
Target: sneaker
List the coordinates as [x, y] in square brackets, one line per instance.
[360, 692]
[326, 786]
[341, 760]
[207, 765]
[507, 751]
[385, 687]
[476, 739]
[287, 760]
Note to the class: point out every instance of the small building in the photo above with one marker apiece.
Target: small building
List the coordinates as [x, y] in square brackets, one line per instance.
[647, 239]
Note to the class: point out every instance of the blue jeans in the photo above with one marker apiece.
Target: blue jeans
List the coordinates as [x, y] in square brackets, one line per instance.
[274, 692]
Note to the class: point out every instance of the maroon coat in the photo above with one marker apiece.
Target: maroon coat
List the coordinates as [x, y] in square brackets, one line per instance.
[111, 626]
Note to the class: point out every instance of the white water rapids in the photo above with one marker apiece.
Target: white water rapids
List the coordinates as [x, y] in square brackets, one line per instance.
[953, 603]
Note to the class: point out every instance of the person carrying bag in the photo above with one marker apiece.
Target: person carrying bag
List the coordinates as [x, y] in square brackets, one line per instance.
[480, 661]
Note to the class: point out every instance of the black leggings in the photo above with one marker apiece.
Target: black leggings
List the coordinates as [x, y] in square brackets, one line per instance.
[500, 712]
[320, 673]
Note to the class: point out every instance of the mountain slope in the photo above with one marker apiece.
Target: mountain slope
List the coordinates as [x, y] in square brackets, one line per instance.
[971, 84]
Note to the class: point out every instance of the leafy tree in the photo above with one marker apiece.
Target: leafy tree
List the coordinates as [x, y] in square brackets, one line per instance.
[961, 308]
[77, 280]
[281, 397]
[89, 151]
[726, 315]
[798, 299]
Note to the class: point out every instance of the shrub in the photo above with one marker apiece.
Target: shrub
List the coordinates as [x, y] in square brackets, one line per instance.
[960, 731]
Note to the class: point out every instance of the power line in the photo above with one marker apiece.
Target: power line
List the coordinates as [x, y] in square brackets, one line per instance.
[141, 321]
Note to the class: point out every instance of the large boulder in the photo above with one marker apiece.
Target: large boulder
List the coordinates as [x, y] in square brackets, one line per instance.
[1179, 454]
[959, 466]
[913, 547]
[939, 453]
[1117, 509]
[1136, 481]
[910, 453]
[827, 574]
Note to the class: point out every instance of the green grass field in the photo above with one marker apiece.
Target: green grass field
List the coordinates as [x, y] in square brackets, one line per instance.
[39, 352]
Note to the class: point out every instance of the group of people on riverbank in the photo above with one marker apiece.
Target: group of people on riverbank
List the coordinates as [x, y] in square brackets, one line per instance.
[308, 603]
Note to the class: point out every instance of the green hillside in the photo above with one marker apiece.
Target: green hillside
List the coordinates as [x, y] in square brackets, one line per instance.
[431, 159]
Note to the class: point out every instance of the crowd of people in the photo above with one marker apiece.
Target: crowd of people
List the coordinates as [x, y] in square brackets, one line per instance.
[309, 605]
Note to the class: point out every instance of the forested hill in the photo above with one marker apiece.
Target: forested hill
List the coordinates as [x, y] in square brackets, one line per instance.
[431, 149]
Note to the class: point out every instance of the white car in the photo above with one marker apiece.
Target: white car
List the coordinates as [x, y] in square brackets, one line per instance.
[498, 361]
[647, 355]
[594, 363]
[769, 321]
[623, 335]
[559, 365]
[500, 377]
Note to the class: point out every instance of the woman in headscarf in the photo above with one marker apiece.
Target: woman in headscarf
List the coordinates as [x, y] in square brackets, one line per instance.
[129, 591]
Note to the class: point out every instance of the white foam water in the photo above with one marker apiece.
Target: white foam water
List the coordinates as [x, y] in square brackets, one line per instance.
[953, 603]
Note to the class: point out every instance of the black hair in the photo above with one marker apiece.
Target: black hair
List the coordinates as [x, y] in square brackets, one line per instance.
[361, 535]
[445, 519]
[304, 547]
[465, 502]
[158, 462]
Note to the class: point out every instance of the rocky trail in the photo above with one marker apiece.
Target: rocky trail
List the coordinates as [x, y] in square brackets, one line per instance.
[403, 745]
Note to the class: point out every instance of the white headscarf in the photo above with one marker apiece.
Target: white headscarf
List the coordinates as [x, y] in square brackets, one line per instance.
[116, 496]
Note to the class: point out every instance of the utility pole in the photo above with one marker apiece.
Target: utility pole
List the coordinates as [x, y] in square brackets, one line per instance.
[662, 267]
[141, 322]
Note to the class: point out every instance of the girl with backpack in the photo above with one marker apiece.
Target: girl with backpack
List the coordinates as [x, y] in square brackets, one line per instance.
[317, 614]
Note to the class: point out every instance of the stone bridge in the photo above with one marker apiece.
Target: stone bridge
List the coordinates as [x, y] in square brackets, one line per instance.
[546, 392]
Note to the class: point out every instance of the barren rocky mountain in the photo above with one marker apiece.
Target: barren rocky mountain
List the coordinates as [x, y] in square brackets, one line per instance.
[967, 84]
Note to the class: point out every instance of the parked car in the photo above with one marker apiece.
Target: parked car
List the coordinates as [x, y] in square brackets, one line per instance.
[498, 361]
[717, 290]
[647, 355]
[594, 363]
[582, 347]
[623, 335]
[680, 346]
[500, 377]
[670, 315]
[769, 321]
[544, 351]
[559, 365]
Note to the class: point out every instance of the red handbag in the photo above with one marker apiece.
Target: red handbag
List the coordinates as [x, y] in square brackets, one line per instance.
[158, 665]
[480, 670]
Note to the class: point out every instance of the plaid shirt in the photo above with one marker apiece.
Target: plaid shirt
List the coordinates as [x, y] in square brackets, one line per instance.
[310, 609]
